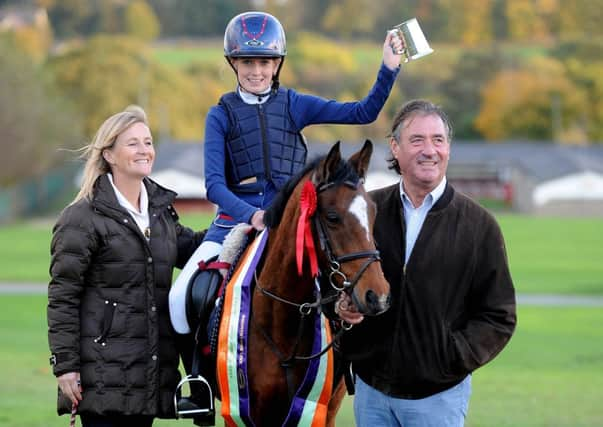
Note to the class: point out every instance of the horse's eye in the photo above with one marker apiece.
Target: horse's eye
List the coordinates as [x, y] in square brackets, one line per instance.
[333, 217]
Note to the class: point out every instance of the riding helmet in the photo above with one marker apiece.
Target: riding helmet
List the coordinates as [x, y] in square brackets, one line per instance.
[254, 34]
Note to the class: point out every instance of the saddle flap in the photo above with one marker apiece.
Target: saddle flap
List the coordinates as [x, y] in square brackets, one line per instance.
[201, 294]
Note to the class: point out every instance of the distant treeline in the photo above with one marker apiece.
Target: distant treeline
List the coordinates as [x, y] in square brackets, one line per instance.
[459, 21]
[502, 69]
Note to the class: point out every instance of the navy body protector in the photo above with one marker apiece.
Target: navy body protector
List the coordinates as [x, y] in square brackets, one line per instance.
[263, 141]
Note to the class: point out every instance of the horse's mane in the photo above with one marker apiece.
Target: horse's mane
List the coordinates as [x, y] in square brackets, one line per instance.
[343, 172]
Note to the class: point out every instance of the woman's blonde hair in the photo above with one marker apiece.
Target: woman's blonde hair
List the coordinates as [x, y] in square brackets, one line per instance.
[105, 137]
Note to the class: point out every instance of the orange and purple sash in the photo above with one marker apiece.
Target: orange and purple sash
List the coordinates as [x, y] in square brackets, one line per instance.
[309, 405]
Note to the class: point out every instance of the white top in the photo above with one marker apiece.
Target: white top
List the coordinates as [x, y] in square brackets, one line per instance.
[250, 98]
[141, 217]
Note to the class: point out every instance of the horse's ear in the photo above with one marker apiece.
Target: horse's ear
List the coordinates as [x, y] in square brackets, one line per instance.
[360, 160]
[329, 165]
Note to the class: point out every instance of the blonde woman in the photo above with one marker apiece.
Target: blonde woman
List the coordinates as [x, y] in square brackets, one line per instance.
[113, 251]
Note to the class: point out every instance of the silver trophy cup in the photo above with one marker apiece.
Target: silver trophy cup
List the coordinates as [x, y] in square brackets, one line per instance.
[415, 43]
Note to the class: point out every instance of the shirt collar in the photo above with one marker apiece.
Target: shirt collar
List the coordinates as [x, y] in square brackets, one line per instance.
[250, 98]
[144, 198]
[432, 197]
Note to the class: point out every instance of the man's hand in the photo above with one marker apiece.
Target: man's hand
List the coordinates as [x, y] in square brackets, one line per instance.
[347, 311]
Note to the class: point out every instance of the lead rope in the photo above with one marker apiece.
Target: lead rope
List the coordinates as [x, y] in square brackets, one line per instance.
[74, 408]
[73, 413]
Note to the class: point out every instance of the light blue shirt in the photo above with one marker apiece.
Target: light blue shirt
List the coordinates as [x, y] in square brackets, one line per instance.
[415, 217]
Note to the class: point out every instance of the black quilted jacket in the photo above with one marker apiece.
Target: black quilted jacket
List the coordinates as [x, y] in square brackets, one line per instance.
[108, 302]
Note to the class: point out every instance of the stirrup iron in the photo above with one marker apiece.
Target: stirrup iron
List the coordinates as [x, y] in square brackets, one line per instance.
[192, 406]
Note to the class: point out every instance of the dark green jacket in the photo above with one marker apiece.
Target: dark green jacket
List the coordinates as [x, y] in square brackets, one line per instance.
[108, 302]
[453, 304]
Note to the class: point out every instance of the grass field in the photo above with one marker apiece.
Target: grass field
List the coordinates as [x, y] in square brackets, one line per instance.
[548, 376]
[546, 255]
[555, 255]
[188, 54]
[25, 248]
[364, 52]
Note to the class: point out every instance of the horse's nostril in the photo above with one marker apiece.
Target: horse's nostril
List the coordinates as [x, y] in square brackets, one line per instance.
[372, 301]
[376, 305]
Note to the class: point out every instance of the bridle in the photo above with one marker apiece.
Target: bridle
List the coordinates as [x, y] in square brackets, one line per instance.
[334, 272]
[336, 261]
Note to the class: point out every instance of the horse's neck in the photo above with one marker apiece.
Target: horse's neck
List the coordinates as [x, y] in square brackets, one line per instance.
[279, 276]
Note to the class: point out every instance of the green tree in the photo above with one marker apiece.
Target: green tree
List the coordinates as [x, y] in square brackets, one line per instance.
[107, 18]
[582, 58]
[140, 21]
[35, 120]
[588, 75]
[351, 18]
[70, 17]
[462, 88]
[197, 18]
[581, 19]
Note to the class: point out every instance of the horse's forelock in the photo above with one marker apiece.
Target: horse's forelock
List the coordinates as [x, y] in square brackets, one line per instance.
[344, 173]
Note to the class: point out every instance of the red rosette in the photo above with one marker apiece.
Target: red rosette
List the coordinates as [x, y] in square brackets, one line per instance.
[307, 205]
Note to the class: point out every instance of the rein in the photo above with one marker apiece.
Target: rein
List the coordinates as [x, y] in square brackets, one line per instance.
[305, 309]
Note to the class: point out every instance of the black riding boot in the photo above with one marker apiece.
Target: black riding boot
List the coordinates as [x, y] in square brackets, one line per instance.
[200, 399]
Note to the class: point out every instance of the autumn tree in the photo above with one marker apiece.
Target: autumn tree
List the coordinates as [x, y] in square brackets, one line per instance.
[468, 21]
[461, 89]
[535, 101]
[581, 19]
[107, 73]
[582, 58]
[531, 20]
[140, 21]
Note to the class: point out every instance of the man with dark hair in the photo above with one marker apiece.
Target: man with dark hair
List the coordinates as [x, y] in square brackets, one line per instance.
[453, 300]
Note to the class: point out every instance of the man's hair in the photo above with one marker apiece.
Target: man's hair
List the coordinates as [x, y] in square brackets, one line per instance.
[411, 109]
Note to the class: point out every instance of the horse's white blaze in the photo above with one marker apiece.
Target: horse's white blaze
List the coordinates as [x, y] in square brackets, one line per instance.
[359, 209]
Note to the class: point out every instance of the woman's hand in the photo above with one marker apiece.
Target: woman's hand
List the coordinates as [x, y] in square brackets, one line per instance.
[69, 384]
[257, 220]
[346, 310]
[393, 43]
